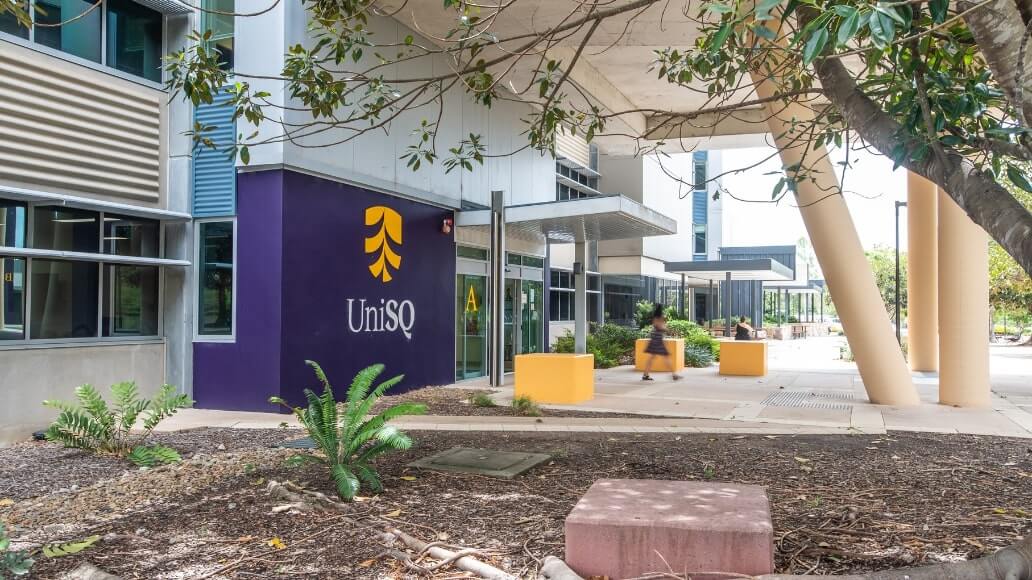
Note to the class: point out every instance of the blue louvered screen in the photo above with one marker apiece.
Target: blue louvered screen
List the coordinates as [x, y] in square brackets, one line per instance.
[699, 207]
[214, 172]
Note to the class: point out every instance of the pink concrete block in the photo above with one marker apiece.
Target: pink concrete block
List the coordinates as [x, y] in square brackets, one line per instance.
[621, 526]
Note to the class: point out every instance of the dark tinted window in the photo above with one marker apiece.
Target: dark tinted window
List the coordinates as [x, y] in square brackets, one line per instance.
[125, 236]
[64, 299]
[80, 37]
[134, 39]
[12, 224]
[67, 229]
[216, 279]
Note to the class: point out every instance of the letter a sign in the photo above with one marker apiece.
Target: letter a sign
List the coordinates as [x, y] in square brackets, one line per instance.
[471, 301]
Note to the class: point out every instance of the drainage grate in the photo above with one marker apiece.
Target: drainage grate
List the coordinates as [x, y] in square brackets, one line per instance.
[802, 399]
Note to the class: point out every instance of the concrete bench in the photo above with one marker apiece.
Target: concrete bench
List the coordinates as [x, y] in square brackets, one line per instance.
[675, 346]
[620, 528]
[555, 378]
[743, 358]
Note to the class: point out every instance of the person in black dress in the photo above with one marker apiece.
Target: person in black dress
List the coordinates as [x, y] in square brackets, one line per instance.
[742, 330]
[656, 347]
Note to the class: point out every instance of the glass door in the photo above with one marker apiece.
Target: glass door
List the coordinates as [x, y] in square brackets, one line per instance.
[512, 321]
[471, 327]
[531, 302]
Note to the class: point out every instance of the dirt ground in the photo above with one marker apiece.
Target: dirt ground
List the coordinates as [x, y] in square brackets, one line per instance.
[456, 402]
[839, 503]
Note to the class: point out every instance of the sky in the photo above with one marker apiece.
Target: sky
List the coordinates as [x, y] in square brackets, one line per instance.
[871, 188]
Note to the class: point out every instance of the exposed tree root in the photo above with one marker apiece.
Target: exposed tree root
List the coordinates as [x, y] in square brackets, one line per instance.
[463, 559]
[302, 499]
[1011, 563]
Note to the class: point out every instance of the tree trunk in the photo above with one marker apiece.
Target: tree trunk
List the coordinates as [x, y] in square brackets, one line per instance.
[984, 200]
[998, 29]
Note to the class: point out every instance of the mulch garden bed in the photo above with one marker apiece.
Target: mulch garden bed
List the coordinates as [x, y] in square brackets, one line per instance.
[839, 503]
[456, 402]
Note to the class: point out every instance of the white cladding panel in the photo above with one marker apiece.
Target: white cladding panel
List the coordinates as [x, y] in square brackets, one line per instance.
[377, 158]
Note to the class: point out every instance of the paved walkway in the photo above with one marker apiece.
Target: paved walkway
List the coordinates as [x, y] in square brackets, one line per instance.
[808, 391]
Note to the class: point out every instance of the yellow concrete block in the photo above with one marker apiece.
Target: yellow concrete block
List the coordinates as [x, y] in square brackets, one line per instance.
[675, 346]
[555, 378]
[743, 357]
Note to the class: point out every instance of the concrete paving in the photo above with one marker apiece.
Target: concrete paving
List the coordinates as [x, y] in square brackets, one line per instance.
[807, 391]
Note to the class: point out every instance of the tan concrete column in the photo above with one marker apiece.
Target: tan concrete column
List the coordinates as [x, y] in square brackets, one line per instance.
[922, 274]
[840, 254]
[963, 308]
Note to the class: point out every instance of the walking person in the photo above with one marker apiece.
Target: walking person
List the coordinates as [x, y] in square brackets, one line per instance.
[656, 347]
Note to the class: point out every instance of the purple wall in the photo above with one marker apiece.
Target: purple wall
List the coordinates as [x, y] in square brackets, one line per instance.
[301, 256]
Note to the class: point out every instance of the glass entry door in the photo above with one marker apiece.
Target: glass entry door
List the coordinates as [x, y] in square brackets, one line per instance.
[530, 319]
[511, 308]
[471, 327]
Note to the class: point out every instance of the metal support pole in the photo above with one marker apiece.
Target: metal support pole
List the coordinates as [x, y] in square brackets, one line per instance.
[899, 327]
[727, 305]
[497, 323]
[822, 306]
[580, 298]
[680, 298]
[709, 305]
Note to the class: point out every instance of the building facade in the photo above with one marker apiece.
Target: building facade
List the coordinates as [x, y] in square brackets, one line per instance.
[127, 253]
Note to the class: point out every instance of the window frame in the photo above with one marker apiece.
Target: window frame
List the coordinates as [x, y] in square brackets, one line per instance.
[101, 66]
[696, 230]
[195, 292]
[29, 254]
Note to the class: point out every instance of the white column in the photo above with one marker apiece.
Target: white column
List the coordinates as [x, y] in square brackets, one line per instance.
[580, 298]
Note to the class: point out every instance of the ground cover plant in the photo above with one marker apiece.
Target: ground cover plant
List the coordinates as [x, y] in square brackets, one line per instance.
[12, 562]
[611, 344]
[96, 426]
[348, 441]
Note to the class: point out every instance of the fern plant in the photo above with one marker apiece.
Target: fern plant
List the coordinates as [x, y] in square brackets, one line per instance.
[13, 563]
[350, 441]
[94, 425]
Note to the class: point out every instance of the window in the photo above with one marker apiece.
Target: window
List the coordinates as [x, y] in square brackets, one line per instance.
[80, 37]
[471, 253]
[12, 299]
[12, 224]
[9, 24]
[67, 229]
[130, 300]
[64, 299]
[121, 34]
[124, 236]
[57, 298]
[700, 174]
[565, 191]
[134, 39]
[215, 278]
[219, 20]
[699, 238]
[562, 297]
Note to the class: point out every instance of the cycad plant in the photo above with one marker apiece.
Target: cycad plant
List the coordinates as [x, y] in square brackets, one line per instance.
[94, 425]
[348, 439]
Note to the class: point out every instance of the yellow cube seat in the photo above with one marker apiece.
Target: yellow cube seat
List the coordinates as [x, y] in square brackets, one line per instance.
[555, 378]
[746, 358]
[675, 346]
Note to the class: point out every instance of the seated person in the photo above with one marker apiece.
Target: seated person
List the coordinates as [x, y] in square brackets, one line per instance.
[742, 330]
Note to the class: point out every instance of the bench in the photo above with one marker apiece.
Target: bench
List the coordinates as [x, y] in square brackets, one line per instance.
[743, 358]
[555, 378]
[675, 346]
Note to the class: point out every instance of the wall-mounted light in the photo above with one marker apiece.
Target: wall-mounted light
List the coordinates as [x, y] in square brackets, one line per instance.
[446, 226]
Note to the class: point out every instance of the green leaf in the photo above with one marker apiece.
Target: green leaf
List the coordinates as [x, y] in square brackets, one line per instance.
[1018, 178]
[720, 37]
[815, 45]
[718, 8]
[245, 155]
[939, 9]
[409, 39]
[58, 550]
[848, 28]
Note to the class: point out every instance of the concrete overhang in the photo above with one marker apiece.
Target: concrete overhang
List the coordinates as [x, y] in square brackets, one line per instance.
[591, 219]
[760, 269]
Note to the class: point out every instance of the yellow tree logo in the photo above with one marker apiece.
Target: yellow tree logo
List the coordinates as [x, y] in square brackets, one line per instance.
[389, 231]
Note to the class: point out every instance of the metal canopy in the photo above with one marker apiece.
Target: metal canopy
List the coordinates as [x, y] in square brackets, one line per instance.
[592, 219]
[94, 205]
[765, 269]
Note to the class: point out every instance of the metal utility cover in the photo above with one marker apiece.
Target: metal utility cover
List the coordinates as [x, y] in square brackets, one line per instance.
[504, 464]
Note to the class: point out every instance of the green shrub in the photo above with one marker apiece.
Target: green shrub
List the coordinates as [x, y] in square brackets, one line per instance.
[643, 310]
[12, 563]
[524, 406]
[348, 441]
[697, 356]
[482, 400]
[94, 426]
[608, 342]
[706, 341]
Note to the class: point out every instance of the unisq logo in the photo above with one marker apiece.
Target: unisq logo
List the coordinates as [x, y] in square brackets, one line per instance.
[389, 231]
[387, 316]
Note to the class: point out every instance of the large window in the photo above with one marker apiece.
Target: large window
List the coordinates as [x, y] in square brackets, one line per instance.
[699, 238]
[120, 34]
[50, 296]
[218, 18]
[562, 296]
[215, 278]
[64, 299]
[700, 174]
[134, 39]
